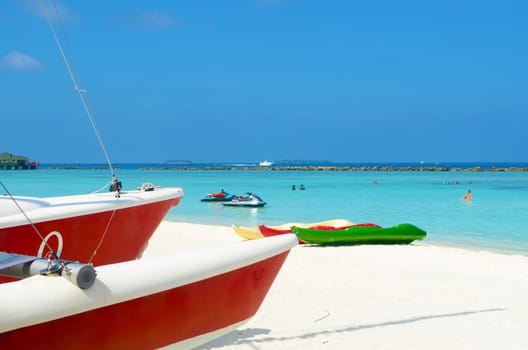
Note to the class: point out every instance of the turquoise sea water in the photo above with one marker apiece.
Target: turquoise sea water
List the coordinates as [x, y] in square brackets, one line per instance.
[496, 219]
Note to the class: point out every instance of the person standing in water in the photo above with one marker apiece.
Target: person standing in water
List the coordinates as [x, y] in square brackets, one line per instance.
[468, 197]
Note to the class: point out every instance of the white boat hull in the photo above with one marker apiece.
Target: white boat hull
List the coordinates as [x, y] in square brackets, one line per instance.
[182, 300]
[97, 228]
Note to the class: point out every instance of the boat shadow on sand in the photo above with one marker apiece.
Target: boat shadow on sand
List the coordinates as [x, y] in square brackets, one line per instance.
[258, 335]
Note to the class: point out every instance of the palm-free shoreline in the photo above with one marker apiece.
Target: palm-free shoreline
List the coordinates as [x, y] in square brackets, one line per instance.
[293, 168]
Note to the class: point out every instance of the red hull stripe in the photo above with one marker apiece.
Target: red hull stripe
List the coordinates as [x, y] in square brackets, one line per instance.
[159, 319]
[125, 239]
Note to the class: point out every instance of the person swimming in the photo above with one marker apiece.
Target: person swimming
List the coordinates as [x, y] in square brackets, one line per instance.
[468, 197]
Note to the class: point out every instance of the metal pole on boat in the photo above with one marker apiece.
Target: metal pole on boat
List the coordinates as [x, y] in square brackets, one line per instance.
[82, 275]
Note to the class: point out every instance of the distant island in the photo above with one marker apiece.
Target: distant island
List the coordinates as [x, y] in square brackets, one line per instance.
[303, 162]
[305, 165]
[182, 162]
[299, 167]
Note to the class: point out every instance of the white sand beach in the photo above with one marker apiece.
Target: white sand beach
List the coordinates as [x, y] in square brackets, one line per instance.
[376, 296]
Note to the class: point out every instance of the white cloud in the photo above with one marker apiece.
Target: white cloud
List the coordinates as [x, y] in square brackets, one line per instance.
[33, 7]
[155, 19]
[271, 2]
[20, 62]
[149, 19]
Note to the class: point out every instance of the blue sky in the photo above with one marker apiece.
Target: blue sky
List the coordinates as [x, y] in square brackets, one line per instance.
[244, 81]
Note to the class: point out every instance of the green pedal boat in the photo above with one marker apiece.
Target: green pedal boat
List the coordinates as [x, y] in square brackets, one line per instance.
[399, 234]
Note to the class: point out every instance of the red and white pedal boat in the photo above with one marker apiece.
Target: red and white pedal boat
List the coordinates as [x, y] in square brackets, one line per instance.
[97, 228]
[182, 300]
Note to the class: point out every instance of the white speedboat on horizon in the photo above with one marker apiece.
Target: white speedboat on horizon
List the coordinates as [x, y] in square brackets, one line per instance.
[265, 163]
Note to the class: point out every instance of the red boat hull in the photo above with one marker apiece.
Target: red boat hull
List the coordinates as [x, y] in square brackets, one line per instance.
[156, 320]
[100, 238]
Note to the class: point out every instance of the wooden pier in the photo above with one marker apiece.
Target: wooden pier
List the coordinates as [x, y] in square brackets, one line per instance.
[9, 161]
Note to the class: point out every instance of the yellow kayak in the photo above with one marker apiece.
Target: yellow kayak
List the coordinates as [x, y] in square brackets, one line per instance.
[247, 232]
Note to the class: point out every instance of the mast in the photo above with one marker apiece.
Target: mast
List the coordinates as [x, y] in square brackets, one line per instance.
[75, 77]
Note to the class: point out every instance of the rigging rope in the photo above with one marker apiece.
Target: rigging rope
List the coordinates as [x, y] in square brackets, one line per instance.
[105, 186]
[25, 215]
[75, 76]
[102, 237]
[83, 94]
